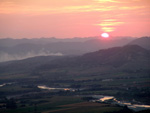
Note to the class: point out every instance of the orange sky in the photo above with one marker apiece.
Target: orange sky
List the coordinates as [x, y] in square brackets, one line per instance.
[74, 18]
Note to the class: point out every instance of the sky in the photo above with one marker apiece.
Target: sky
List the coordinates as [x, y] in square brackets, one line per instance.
[74, 18]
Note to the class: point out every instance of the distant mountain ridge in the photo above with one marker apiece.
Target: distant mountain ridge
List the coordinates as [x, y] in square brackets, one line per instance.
[143, 42]
[26, 48]
[9, 42]
[16, 49]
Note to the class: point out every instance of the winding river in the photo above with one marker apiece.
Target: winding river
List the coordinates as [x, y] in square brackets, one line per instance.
[50, 88]
[98, 98]
[102, 98]
[135, 107]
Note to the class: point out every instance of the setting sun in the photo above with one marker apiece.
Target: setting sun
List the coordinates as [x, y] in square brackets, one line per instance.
[105, 35]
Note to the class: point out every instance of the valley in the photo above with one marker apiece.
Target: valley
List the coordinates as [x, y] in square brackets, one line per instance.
[61, 83]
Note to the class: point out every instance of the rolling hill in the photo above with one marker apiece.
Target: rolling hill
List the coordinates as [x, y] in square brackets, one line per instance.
[130, 57]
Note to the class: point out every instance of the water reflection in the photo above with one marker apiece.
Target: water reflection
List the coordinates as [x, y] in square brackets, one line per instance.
[106, 98]
[1, 85]
[50, 88]
[112, 100]
[136, 107]
[102, 98]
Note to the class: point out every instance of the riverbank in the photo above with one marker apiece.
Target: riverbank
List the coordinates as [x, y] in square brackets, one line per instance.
[113, 100]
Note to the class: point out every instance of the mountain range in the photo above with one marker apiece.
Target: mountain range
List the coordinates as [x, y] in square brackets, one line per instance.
[16, 49]
[130, 57]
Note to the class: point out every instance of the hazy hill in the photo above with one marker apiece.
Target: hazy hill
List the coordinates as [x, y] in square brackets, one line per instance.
[143, 42]
[26, 65]
[16, 49]
[127, 56]
[130, 57]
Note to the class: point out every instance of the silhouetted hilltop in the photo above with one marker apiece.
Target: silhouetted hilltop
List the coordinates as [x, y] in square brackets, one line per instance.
[117, 55]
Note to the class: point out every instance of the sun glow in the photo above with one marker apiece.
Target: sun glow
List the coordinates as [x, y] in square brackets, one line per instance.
[105, 35]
